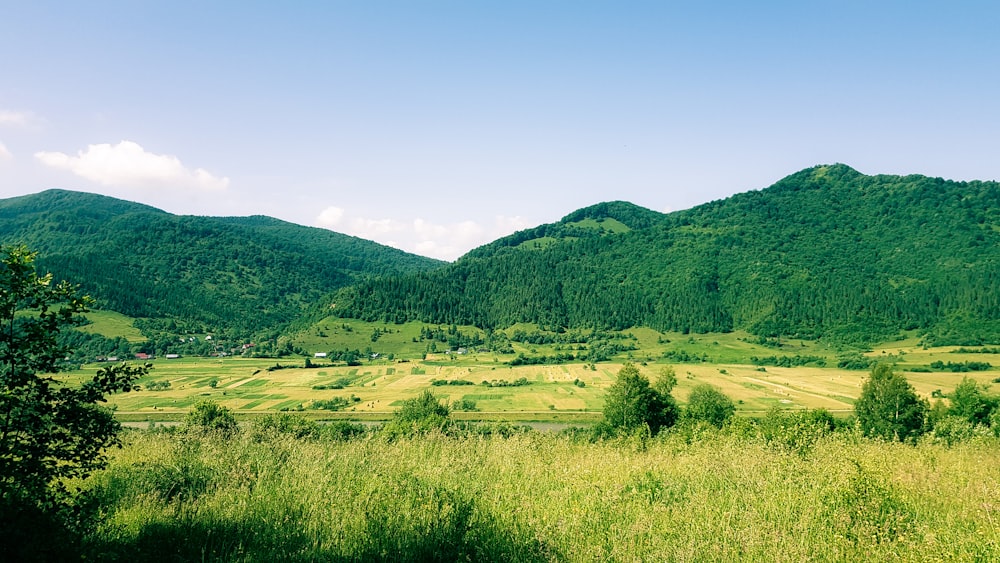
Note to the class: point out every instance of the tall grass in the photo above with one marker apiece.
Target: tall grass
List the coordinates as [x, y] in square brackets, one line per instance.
[701, 496]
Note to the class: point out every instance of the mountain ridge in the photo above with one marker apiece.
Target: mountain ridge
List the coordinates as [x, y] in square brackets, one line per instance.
[224, 274]
[824, 252]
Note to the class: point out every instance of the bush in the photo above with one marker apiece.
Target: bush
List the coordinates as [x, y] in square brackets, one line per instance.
[708, 404]
[419, 415]
[467, 405]
[951, 430]
[341, 430]
[795, 431]
[210, 417]
[284, 423]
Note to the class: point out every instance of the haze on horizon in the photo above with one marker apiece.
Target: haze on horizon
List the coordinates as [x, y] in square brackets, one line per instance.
[439, 126]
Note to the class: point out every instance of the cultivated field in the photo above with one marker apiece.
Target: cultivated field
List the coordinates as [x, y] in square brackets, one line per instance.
[568, 392]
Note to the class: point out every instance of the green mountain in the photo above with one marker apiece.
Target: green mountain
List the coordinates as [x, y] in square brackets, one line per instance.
[824, 253]
[228, 275]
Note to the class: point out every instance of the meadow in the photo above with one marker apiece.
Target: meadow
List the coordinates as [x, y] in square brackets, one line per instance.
[570, 392]
[694, 494]
[399, 362]
[761, 488]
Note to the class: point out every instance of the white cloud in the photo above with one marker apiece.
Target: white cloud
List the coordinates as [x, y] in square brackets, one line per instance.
[4, 153]
[329, 217]
[16, 118]
[437, 240]
[127, 164]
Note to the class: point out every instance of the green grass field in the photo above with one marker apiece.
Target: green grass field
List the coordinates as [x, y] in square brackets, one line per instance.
[112, 324]
[710, 496]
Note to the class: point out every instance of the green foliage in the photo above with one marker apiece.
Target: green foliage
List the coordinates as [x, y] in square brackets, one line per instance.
[227, 275]
[667, 380]
[854, 360]
[951, 430]
[336, 403]
[49, 432]
[888, 407]
[519, 382]
[209, 416]
[826, 252]
[971, 403]
[419, 415]
[631, 403]
[267, 426]
[465, 405]
[789, 361]
[796, 431]
[961, 367]
[707, 403]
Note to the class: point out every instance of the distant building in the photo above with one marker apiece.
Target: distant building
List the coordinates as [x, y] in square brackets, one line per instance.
[319, 355]
[172, 356]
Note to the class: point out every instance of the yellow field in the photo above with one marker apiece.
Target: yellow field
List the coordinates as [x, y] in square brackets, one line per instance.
[247, 386]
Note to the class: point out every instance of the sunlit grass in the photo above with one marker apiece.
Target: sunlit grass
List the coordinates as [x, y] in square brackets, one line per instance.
[714, 496]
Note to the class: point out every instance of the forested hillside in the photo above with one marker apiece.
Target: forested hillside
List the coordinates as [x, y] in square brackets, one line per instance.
[826, 252]
[221, 274]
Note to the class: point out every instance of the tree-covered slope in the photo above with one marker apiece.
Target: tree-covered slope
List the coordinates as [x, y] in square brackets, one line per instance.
[225, 274]
[826, 252]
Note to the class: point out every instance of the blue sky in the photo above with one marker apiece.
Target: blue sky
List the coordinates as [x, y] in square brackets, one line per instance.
[439, 126]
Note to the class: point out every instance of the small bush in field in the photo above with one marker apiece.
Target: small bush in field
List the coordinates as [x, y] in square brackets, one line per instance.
[706, 403]
[209, 416]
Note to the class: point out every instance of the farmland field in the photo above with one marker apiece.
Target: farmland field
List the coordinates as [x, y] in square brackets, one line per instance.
[568, 392]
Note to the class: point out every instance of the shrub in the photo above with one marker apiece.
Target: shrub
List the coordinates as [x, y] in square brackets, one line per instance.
[951, 430]
[467, 405]
[210, 417]
[708, 404]
[284, 423]
[795, 431]
[419, 415]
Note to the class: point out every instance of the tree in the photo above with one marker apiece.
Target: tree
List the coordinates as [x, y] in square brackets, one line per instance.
[970, 402]
[666, 382]
[631, 402]
[707, 403]
[889, 407]
[49, 431]
[209, 416]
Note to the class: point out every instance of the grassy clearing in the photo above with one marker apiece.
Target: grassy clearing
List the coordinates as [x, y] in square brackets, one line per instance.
[715, 496]
[112, 325]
